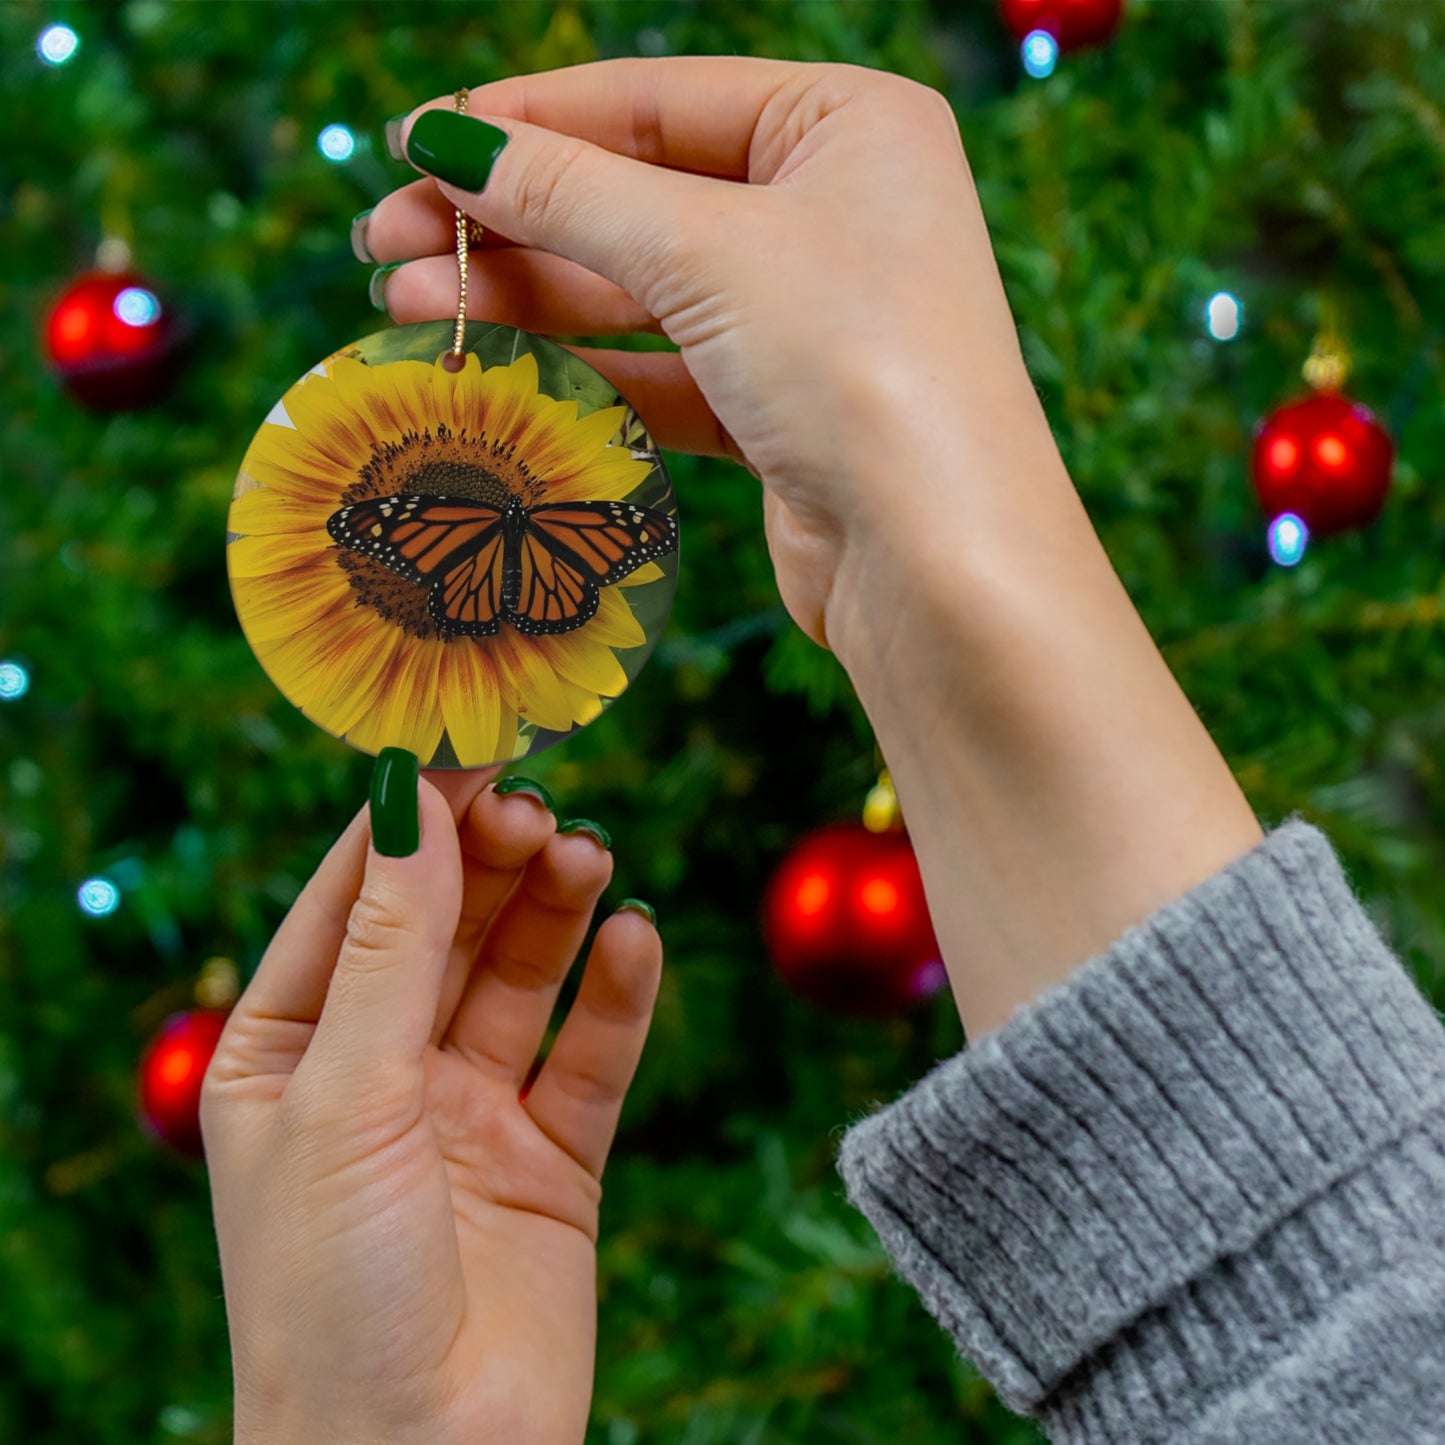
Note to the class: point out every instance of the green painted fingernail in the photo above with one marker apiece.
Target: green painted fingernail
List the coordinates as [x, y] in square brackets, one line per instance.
[392, 131]
[636, 905]
[395, 813]
[586, 825]
[359, 248]
[455, 148]
[525, 785]
[376, 289]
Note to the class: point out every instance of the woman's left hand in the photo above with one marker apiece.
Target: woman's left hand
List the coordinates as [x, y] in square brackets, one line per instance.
[407, 1244]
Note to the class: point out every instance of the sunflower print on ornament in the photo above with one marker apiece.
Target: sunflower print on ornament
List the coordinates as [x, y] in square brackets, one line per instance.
[346, 603]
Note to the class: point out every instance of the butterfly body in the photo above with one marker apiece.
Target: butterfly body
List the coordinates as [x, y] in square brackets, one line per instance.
[538, 569]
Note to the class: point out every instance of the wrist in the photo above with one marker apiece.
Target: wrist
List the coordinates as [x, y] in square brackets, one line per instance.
[1057, 783]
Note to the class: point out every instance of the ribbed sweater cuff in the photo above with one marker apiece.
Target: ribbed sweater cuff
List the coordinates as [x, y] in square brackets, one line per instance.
[1147, 1163]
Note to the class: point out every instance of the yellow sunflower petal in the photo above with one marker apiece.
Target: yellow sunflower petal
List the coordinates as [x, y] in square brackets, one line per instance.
[614, 625]
[391, 400]
[583, 706]
[588, 664]
[261, 512]
[282, 459]
[586, 706]
[262, 555]
[511, 393]
[648, 572]
[574, 443]
[299, 662]
[609, 477]
[480, 728]
[352, 677]
[459, 402]
[545, 434]
[336, 424]
[531, 685]
[408, 711]
[287, 604]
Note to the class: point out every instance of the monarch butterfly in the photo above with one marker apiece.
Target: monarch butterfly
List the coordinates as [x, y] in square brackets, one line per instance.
[541, 568]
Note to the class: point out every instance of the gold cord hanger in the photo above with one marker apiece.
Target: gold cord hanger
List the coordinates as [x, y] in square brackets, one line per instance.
[467, 231]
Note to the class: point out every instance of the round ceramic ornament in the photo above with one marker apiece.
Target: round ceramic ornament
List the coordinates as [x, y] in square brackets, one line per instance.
[458, 541]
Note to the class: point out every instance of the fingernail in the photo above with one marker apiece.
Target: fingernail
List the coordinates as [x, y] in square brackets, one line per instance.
[393, 136]
[525, 785]
[586, 825]
[636, 905]
[359, 248]
[376, 288]
[455, 148]
[395, 820]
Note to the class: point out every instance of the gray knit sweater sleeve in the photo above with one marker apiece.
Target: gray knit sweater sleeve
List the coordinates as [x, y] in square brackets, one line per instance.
[1196, 1193]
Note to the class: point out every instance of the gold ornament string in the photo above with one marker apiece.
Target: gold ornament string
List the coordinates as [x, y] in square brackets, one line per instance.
[459, 101]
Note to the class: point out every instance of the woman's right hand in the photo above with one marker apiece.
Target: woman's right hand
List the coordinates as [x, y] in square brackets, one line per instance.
[840, 317]
[843, 330]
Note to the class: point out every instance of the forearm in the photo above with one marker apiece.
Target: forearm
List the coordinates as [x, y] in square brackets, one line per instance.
[1057, 784]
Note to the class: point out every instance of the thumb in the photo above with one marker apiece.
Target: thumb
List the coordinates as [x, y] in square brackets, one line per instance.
[382, 999]
[634, 224]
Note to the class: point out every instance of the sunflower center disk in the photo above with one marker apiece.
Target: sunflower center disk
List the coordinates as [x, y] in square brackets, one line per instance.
[443, 463]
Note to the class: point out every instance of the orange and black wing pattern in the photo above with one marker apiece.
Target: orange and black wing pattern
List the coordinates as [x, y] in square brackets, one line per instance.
[454, 547]
[539, 569]
[569, 550]
[547, 592]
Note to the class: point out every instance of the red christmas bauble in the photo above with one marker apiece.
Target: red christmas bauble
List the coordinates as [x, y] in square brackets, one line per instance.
[1324, 458]
[1073, 23]
[112, 341]
[847, 924]
[171, 1071]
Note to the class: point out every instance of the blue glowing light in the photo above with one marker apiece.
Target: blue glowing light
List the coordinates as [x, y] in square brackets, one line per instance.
[336, 143]
[1288, 537]
[57, 44]
[14, 681]
[137, 307]
[1040, 52]
[1223, 316]
[98, 897]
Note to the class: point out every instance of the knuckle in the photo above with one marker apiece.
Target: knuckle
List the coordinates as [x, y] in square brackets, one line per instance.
[649, 143]
[521, 971]
[587, 1085]
[374, 933]
[542, 187]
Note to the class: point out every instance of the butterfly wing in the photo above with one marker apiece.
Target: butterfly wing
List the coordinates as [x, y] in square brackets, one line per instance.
[606, 540]
[454, 547]
[549, 592]
[569, 551]
[467, 601]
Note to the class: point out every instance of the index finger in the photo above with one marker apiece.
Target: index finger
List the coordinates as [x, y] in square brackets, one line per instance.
[696, 113]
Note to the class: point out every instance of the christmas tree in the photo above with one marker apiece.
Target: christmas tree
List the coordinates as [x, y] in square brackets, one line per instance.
[161, 804]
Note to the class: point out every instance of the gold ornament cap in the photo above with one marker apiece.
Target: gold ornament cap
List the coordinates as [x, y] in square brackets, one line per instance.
[881, 813]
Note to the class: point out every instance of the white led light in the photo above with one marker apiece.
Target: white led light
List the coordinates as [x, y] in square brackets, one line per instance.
[336, 143]
[98, 897]
[57, 44]
[1040, 52]
[1288, 537]
[137, 307]
[14, 681]
[1223, 316]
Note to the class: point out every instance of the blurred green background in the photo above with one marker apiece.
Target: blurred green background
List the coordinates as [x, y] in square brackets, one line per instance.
[1287, 153]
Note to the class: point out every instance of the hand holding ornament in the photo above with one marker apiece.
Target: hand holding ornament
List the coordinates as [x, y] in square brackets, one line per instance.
[407, 1230]
[811, 238]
